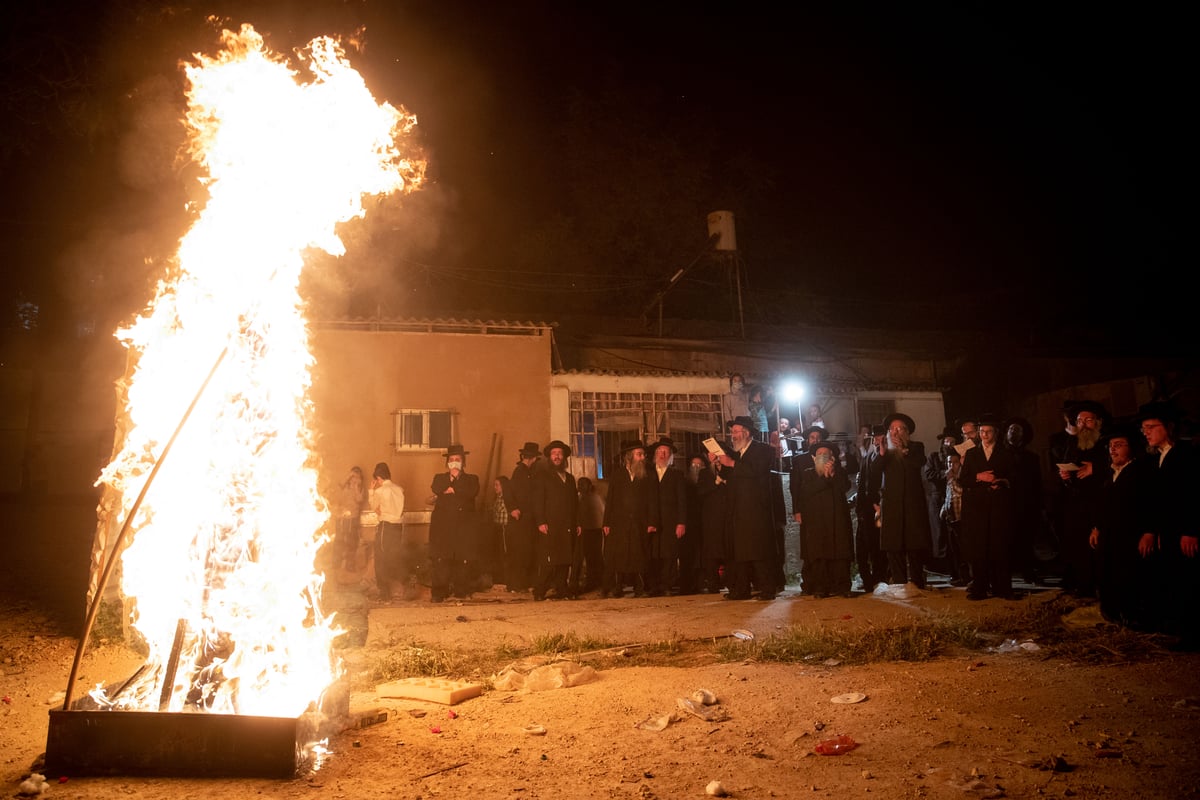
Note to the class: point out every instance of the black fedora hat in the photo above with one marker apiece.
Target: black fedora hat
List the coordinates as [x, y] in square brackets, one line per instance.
[456, 450]
[744, 421]
[1165, 413]
[1025, 425]
[824, 433]
[663, 441]
[1092, 407]
[530, 449]
[631, 444]
[560, 445]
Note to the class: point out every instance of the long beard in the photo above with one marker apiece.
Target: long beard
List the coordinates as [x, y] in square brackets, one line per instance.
[1087, 438]
[638, 469]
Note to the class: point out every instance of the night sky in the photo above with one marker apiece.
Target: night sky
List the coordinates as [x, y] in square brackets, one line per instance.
[950, 165]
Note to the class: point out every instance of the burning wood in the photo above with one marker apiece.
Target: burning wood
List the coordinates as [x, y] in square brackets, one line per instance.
[219, 536]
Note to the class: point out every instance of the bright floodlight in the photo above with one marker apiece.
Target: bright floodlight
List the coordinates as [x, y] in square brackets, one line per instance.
[794, 391]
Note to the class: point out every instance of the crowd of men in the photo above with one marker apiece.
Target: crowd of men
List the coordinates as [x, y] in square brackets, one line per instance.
[1111, 499]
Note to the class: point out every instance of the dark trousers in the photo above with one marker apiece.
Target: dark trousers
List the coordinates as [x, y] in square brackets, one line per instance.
[587, 561]
[393, 558]
[757, 574]
[872, 562]
[908, 565]
[518, 556]
[450, 575]
[826, 576]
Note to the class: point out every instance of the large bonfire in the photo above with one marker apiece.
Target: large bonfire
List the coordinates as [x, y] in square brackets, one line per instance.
[219, 567]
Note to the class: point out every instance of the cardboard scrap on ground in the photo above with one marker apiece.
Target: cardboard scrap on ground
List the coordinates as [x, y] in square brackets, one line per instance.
[435, 690]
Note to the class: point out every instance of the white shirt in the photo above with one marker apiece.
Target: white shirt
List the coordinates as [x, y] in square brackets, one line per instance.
[388, 500]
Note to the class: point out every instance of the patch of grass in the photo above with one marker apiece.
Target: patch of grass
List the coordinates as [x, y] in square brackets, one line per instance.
[415, 661]
[569, 642]
[918, 641]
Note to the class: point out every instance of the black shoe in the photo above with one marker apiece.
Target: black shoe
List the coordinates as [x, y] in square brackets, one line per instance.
[732, 596]
[437, 598]
[973, 596]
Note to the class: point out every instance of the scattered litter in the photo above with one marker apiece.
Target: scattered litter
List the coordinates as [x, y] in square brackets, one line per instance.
[898, 591]
[434, 729]
[32, 786]
[1108, 752]
[743, 634]
[655, 723]
[974, 665]
[704, 697]
[1013, 646]
[416, 713]
[1190, 703]
[712, 713]
[848, 698]
[561, 674]
[831, 662]
[451, 714]
[839, 745]
[716, 789]
[534, 730]
[7, 700]
[977, 787]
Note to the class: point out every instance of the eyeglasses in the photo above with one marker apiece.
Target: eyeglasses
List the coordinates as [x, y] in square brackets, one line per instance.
[1149, 426]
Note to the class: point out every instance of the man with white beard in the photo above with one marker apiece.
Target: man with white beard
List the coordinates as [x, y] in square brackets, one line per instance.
[904, 519]
[1081, 473]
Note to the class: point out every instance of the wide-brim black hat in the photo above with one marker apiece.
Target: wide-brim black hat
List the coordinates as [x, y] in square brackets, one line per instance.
[824, 433]
[1091, 406]
[559, 444]
[830, 446]
[948, 433]
[530, 449]
[664, 441]
[1163, 412]
[744, 421]
[456, 450]
[631, 444]
[905, 418]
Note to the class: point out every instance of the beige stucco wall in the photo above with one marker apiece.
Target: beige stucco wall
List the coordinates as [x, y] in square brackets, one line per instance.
[498, 384]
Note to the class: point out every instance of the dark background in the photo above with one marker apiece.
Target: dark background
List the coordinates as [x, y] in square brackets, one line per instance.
[951, 166]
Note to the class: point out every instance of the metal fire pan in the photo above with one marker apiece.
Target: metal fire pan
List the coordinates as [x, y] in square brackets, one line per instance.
[165, 744]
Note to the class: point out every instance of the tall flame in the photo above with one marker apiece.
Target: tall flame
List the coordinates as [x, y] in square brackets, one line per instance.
[224, 543]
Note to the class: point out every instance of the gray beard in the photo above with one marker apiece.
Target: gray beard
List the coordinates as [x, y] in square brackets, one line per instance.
[1087, 438]
[638, 469]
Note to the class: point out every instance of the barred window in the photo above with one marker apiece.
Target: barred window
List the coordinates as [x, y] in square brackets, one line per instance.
[424, 429]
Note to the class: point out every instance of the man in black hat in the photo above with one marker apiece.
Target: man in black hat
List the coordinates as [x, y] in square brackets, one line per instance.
[826, 533]
[1081, 474]
[555, 514]
[872, 562]
[904, 520]
[670, 524]
[1127, 578]
[987, 513]
[628, 517]
[1172, 475]
[519, 568]
[453, 526]
[933, 477]
[754, 552]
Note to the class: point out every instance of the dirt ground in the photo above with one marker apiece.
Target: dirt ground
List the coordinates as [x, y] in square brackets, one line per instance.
[967, 725]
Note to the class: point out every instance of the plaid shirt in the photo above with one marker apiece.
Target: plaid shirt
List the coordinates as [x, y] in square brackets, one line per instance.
[499, 511]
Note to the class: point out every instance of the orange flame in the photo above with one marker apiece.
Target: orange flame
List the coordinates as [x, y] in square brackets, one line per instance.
[225, 541]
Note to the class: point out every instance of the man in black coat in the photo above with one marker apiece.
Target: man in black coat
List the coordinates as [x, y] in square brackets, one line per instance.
[1126, 576]
[519, 568]
[826, 535]
[1029, 508]
[628, 516]
[670, 524]
[987, 514]
[555, 504]
[904, 520]
[754, 548]
[872, 562]
[453, 526]
[1172, 475]
[1081, 473]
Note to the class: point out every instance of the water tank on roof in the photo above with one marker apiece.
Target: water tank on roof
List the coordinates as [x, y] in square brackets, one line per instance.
[720, 223]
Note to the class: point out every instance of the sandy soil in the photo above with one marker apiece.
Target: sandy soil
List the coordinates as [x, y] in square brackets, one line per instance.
[973, 724]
